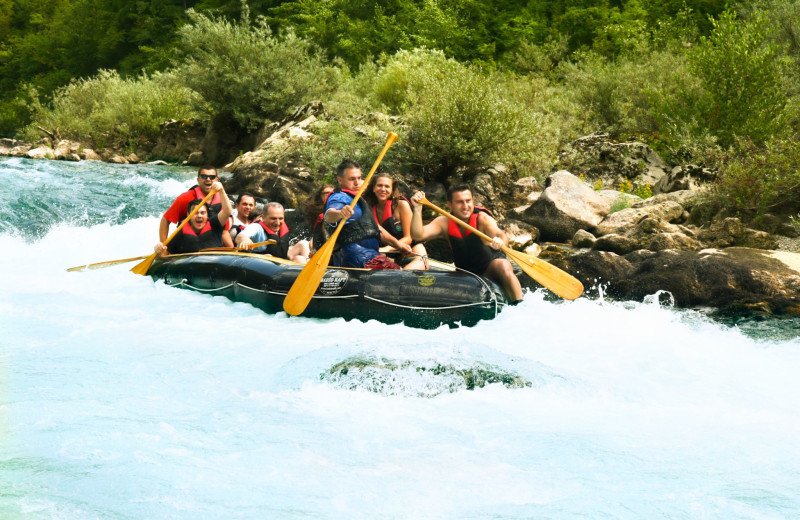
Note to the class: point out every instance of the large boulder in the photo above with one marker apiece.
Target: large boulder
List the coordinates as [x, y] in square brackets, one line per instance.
[731, 279]
[685, 177]
[627, 218]
[13, 147]
[596, 157]
[178, 139]
[566, 205]
[732, 232]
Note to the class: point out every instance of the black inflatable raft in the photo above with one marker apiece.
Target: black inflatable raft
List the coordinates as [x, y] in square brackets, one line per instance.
[423, 299]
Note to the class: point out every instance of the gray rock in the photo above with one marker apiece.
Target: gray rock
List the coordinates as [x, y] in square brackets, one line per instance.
[583, 238]
[627, 218]
[40, 152]
[686, 177]
[565, 206]
[596, 157]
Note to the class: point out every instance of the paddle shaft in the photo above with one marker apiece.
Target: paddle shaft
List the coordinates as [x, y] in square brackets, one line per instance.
[306, 283]
[550, 276]
[142, 267]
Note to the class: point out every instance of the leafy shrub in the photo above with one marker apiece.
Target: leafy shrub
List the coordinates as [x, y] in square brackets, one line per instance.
[757, 179]
[107, 106]
[246, 71]
[735, 87]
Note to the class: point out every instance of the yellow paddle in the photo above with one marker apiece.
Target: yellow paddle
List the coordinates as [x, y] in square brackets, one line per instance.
[143, 266]
[251, 246]
[304, 287]
[550, 276]
[100, 265]
[109, 263]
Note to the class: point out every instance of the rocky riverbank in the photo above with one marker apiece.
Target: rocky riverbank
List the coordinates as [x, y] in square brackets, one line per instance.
[624, 245]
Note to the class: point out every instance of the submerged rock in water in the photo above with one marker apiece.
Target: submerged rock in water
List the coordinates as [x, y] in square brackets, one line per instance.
[416, 378]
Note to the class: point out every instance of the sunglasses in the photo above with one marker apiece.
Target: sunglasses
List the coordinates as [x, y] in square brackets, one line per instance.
[206, 177]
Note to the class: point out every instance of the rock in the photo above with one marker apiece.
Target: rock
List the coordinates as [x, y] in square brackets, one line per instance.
[627, 218]
[730, 280]
[40, 152]
[158, 163]
[117, 159]
[617, 198]
[678, 241]
[132, 158]
[614, 243]
[565, 206]
[686, 177]
[87, 154]
[196, 158]
[64, 148]
[13, 147]
[731, 232]
[177, 139]
[520, 234]
[73, 157]
[595, 156]
[583, 238]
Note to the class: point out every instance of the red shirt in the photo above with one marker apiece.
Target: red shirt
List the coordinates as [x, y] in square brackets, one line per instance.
[180, 207]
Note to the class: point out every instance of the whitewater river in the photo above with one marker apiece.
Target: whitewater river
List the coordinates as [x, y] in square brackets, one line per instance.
[122, 398]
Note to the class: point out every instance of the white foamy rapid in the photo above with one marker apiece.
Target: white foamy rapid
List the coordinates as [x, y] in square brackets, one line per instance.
[122, 398]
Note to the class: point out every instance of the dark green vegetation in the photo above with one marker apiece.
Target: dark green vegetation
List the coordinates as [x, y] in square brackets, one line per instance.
[473, 82]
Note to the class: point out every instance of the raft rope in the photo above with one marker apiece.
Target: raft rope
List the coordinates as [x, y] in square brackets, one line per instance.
[185, 283]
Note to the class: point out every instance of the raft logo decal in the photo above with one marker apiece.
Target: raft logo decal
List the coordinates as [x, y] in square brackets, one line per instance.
[426, 280]
[333, 282]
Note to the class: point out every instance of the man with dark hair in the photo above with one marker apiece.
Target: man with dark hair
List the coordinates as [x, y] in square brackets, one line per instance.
[201, 231]
[273, 227]
[206, 176]
[245, 214]
[357, 245]
[470, 252]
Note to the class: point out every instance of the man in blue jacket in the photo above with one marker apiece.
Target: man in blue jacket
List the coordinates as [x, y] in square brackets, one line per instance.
[357, 245]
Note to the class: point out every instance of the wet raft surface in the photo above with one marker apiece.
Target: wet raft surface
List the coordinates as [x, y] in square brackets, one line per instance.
[423, 299]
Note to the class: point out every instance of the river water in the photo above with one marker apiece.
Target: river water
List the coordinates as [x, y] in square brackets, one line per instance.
[122, 398]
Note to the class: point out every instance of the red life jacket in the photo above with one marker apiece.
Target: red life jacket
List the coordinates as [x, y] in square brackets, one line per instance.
[469, 251]
[189, 241]
[281, 248]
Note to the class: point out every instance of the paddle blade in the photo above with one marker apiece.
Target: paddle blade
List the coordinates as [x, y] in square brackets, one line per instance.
[550, 276]
[304, 287]
[144, 266]
[109, 263]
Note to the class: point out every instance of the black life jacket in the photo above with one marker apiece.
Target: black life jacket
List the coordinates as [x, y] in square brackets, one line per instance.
[281, 248]
[189, 241]
[361, 229]
[318, 233]
[469, 251]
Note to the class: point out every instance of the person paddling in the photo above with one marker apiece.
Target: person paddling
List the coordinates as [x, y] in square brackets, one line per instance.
[470, 252]
[357, 245]
[206, 177]
[201, 232]
[273, 227]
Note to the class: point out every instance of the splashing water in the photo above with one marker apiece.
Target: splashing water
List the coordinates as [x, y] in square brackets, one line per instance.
[123, 398]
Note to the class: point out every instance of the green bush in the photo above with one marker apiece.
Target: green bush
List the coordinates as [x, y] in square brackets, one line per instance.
[755, 179]
[246, 71]
[110, 107]
[735, 86]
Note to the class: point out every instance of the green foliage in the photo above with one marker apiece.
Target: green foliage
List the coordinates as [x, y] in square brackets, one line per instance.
[734, 86]
[110, 107]
[457, 117]
[619, 204]
[756, 179]
[246, 71]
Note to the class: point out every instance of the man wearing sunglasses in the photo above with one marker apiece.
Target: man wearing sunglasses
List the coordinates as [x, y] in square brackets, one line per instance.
[206, 176]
